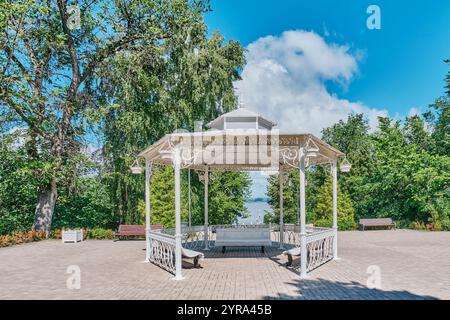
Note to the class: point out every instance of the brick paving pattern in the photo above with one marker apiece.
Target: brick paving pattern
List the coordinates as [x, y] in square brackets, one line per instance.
[413, 265]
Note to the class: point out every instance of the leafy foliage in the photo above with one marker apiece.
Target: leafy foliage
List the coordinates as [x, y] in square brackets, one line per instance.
[136, 70]
[131, 72]
[409, 178]
[323, 214]
[153, 90]
[228, 193]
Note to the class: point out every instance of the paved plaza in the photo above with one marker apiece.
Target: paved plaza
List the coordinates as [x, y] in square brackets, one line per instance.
[412, 265]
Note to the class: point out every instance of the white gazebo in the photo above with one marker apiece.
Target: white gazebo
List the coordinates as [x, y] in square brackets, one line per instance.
[241, 140]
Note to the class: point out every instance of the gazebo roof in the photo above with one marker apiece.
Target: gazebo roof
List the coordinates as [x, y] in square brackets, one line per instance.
[239, 148]
[241, 118]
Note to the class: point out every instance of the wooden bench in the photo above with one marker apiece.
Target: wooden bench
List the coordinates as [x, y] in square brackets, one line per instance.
[376, 222]
[127, 230]
[243, 237]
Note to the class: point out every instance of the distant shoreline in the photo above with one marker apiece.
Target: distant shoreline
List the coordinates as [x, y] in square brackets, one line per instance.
[259, 199]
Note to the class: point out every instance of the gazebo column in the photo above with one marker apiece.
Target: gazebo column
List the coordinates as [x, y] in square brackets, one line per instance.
[303, 253]
[177, 165]
[148, 175]
[281, 180]
[189, 199]
[206, 182]
[335, 209]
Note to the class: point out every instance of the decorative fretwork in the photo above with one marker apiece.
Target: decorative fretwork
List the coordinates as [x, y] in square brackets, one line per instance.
[289, 156]
[291, 235]
[290, 140]
[162, 250]
[194, 237]
[319, 246]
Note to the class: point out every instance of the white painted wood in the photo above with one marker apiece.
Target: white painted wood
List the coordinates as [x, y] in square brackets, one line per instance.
[178, 255]
[303, 255]
[281, 180]
[163, 250]
[148, 174]
[72, 236]
[206, 181]
[189, 198]
[243, 237]
[191, 254]
[335, 209]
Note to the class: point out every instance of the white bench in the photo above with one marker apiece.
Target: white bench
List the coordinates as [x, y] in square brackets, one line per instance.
[191, 254]
[291, 253]
[243, 237]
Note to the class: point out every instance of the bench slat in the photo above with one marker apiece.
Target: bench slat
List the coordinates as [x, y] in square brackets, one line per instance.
[134, 230]
[377, 222]
[247, 237]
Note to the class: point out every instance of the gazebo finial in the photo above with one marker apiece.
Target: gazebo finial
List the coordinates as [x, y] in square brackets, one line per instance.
[240, 97]
[241, 103]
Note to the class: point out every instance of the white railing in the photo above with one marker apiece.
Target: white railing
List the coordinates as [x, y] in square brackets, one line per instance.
[319, 242]
[162, 250]
[319, 245]
[291, 234]
[194, 237]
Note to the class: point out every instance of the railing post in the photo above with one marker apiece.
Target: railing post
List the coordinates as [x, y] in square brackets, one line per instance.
[335, 210]
[281, 180]
[206, 235]
[148, 174]
[303, 253]
[178, 262]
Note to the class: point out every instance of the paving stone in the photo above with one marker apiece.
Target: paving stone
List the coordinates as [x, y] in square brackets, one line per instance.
[412, 265]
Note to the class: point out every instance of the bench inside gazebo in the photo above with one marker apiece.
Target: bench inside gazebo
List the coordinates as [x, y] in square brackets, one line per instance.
[241, 140]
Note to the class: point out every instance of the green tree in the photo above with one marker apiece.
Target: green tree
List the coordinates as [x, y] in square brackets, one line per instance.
[314, 179]
[49, 65]
[323, 213]
[163, 199]
[152, 91]
[411, 184]
[438, 119]
[83, 197]
[228, 192]
[18, 183]
[352, 137]
[415, 133]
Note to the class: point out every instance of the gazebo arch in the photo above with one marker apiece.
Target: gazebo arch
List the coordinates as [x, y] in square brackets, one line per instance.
[241, 140]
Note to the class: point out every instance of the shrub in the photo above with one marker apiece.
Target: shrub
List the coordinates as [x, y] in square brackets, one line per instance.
[55, 234]
[98, 234]
[446, 225]
[21, 237]
[88, 234]
[31, 236]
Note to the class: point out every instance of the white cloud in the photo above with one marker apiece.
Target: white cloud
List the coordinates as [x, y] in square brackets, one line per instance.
[413, 112]
[285, 76]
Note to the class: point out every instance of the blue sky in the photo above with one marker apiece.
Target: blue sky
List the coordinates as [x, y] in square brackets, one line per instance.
[396, 71]
[402, 66]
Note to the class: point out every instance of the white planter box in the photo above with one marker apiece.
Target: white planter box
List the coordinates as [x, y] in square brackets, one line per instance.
[73, 236]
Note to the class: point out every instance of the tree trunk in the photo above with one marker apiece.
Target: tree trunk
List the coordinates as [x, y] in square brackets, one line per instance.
[43, 214]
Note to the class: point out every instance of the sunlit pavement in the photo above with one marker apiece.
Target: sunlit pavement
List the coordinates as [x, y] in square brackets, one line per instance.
[406, 264]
